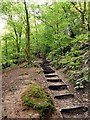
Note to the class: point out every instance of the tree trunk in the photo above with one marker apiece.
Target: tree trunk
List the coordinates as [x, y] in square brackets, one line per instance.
[36, 40]
[89, 17]
[16, 35]
[82, 13]
[6, 51]
[20, 35]
[27, 50]
[17, 44]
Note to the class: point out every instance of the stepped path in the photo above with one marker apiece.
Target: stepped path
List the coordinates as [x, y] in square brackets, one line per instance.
[66, 103]
[15, 81]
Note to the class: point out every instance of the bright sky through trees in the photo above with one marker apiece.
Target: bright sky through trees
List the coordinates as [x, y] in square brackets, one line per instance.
[2, 23]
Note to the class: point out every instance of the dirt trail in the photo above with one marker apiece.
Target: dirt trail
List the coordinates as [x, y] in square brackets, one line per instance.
[16, 80]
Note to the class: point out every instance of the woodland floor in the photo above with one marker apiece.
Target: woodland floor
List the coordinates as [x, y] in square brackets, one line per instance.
[17, 79]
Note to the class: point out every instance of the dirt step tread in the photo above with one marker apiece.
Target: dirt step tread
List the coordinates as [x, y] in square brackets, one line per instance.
[64, 96]
[52, 78]
[61, 92]
[51, 75]
[56, 84]
[67, 103]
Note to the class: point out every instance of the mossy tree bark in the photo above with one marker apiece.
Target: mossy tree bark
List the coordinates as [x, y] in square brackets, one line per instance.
[27, 50]
[88, 16]
[18, 36]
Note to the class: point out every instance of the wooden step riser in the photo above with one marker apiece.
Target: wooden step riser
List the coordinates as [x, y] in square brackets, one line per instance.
[57, 87]
[64, 96]
[51, 76]
[76, 110]
[54, 80]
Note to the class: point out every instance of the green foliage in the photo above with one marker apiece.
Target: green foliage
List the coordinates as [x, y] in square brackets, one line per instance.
[56, 33]
[72, 61]
[80, 83]
[38, 99]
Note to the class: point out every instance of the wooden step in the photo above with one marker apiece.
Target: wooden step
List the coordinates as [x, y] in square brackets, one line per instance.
[57, 87]
[48, 71]
[75, 110]
[54, 80]
[65, 96]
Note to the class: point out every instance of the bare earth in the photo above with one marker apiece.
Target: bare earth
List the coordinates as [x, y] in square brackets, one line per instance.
[14, 83]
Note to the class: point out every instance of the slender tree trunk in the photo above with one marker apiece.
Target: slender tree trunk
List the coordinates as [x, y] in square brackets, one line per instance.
[37, 43]
[19, 39]
[27, 50]
[57, 24]
[89, 42]
[89, 17]
[17, 43]
[6, 50]
[16, 35]
[20, 35]
[35, 28]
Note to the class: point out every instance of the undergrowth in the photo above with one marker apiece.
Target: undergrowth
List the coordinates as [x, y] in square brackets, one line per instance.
[73, 60]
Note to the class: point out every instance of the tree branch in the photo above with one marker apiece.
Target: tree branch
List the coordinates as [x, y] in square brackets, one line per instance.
[84, 6]
[76, 8]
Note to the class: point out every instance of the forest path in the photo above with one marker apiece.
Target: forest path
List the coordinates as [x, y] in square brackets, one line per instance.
[63, 94]
[16, 80]
[14, 83]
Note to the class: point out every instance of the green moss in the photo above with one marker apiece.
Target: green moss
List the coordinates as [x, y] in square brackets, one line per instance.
[38, 99]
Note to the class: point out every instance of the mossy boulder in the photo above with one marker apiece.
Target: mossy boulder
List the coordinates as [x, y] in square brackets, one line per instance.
[38, 99]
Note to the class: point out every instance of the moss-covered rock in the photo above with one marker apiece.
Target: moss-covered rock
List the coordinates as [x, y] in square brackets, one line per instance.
[38, 99]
